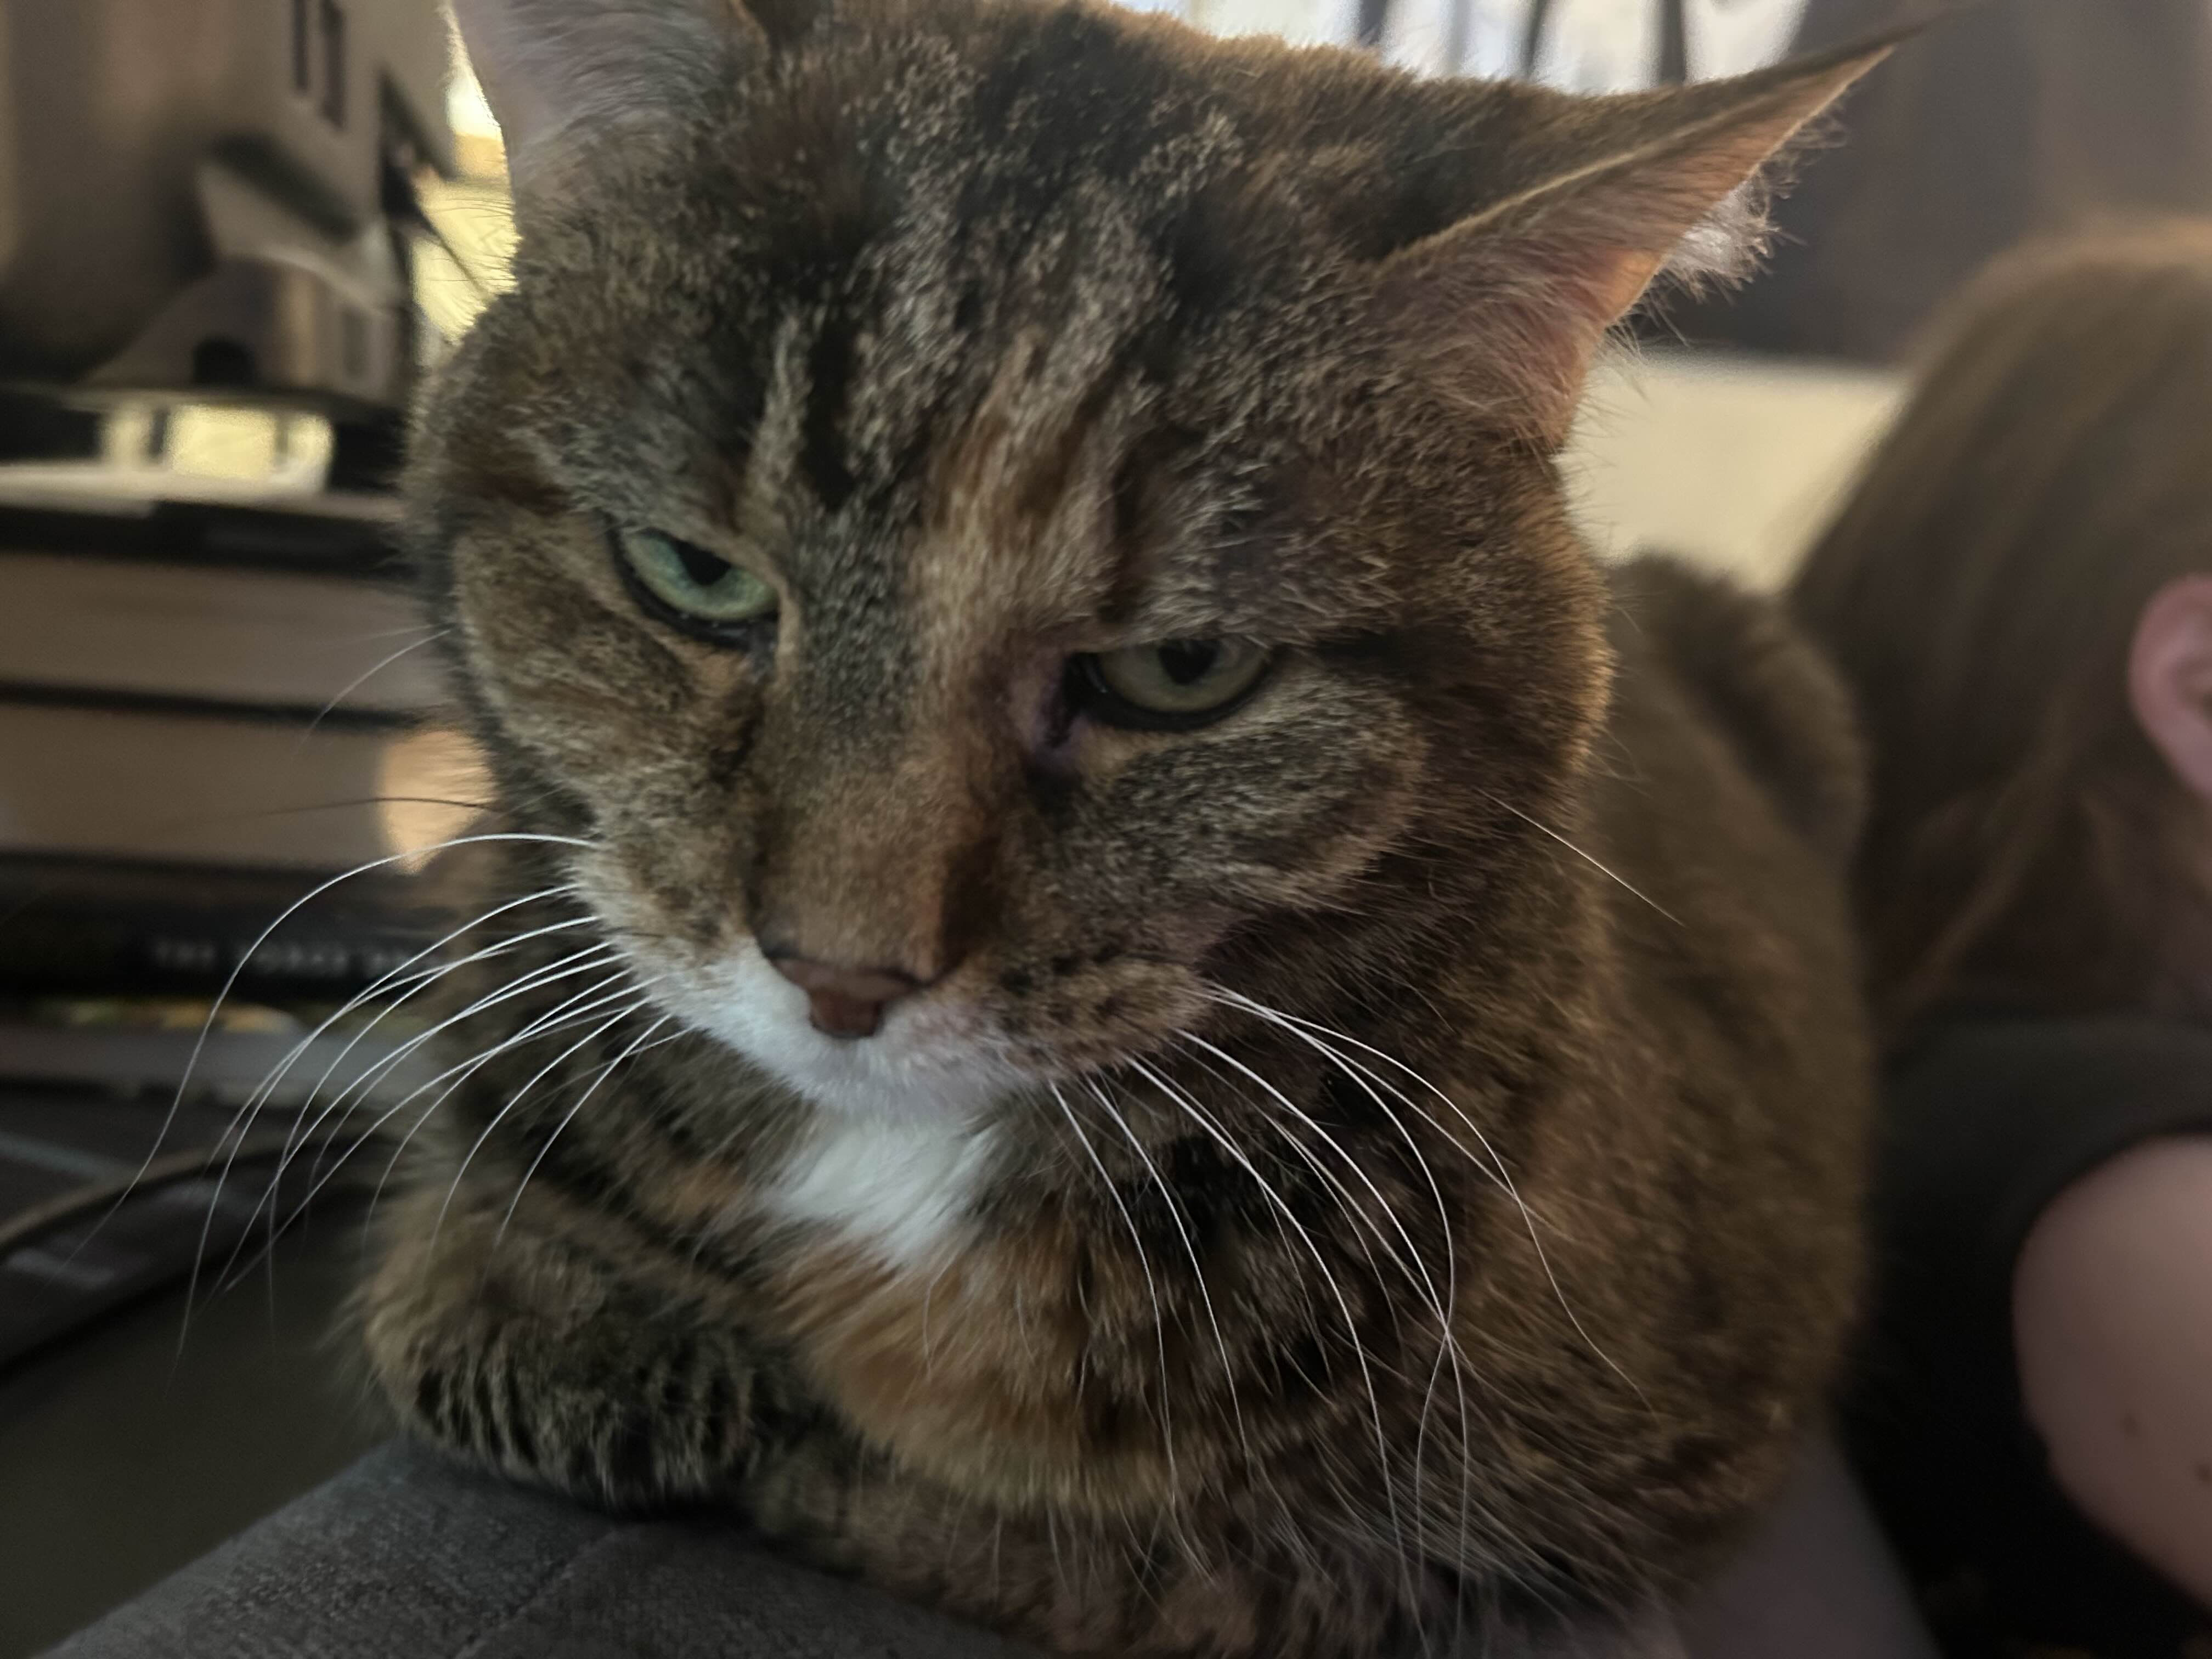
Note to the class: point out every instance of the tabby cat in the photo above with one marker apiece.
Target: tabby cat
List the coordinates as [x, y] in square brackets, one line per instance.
[1129, 995]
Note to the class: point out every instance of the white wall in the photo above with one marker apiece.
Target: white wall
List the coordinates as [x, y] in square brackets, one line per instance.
[1736, 461]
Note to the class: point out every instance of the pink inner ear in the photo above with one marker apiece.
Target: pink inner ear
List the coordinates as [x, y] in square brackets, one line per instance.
[1503, 312]
[1621, 282]
[1509, 333]
[560, 74]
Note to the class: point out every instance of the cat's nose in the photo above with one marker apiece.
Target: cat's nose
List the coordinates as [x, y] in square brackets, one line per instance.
[844, 1002]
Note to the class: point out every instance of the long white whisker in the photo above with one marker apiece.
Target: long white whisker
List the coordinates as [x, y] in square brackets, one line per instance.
[366, 1081]
[1159, 1316]
[1497, 1165]
[1610, 875]
[579, 961]
[638, 1044]
[393, 977]
[417, 983]
[545, 1026]
[1362, 1228]
[553, 1019]
[230, 983]
[360, 680]
[383, 1066]
[1448, 1347]
[1200, 1116]
[1412, 1262]
[467, 1069]
[1190, 1250]
[638, 1000]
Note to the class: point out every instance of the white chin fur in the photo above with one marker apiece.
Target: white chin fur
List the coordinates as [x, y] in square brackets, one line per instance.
[899, 1152]
[903, 1190]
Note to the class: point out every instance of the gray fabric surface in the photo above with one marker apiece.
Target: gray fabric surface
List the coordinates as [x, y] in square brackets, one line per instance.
[137, 1447]
[1817, 1581]
[404, 1557]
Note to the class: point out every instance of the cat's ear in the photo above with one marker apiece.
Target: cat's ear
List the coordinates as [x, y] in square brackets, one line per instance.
[1506, 309]
[566, 77]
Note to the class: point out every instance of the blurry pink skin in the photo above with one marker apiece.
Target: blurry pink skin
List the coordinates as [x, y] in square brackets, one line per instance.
[2112, 1293]
[2112, 1325]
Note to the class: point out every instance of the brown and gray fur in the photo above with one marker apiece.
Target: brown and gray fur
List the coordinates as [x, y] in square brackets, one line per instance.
[1379, 1167]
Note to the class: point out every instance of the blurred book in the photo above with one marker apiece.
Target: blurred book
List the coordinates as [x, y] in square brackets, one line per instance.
[93, 930]
[207, 711]
[114, 627]
[171, 789]
[147, 851]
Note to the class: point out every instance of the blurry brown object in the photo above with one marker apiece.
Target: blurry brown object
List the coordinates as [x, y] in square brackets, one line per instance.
[1980, 591]
[2014, 119]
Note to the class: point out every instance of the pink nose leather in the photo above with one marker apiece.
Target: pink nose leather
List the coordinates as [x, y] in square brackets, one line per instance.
[844, 1002]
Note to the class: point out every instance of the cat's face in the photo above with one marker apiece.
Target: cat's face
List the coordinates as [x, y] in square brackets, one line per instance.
[959, 514]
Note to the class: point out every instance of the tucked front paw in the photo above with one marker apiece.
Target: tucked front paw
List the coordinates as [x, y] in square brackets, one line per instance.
[613, 1416]
[552, 1370]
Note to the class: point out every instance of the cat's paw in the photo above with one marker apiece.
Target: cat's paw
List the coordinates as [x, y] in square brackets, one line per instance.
[619, 1418]
[555, 1374]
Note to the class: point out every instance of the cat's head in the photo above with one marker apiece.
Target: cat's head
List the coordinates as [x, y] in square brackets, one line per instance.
[993, 518]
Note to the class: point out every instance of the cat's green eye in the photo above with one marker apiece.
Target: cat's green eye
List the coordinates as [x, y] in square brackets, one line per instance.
[1171, 686]
[691, 588]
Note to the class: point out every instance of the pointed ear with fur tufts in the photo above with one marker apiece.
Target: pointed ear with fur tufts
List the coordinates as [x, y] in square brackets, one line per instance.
[1504, 310]
[564, 76]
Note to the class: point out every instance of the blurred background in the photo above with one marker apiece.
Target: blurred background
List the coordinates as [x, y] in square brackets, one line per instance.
[235, 237]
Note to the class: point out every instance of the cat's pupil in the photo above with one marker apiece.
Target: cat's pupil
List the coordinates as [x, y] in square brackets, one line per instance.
[1188, 661]
[701, 566]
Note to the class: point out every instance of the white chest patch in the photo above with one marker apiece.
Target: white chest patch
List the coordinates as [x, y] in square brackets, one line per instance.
[903, 1189]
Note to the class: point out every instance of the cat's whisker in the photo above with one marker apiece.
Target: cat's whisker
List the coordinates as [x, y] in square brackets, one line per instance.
[431, 978]
[585, 961]
[1411, 1262]
[355, 684]
[372, 635]
[1436, 1304]
[631, 990]
[1497, 1163]
[230, 981]
[1604, 870]
[1190, 1250]
[306, 1121]
[426, 979]
[1490, 1165]
[545, 1028]
[637, 1044]
[1199, 1115]
[1144, 1262]
[296, 1139]
[391, 979]
[1143, 1548]
[553, 1020]
[320, 1179]
[1362, 1227]
[1450, 1349]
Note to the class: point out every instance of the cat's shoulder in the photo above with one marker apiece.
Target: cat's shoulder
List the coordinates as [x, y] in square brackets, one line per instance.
[1745, 667]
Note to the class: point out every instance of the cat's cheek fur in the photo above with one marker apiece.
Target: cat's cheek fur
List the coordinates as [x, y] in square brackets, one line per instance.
[563, 670]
